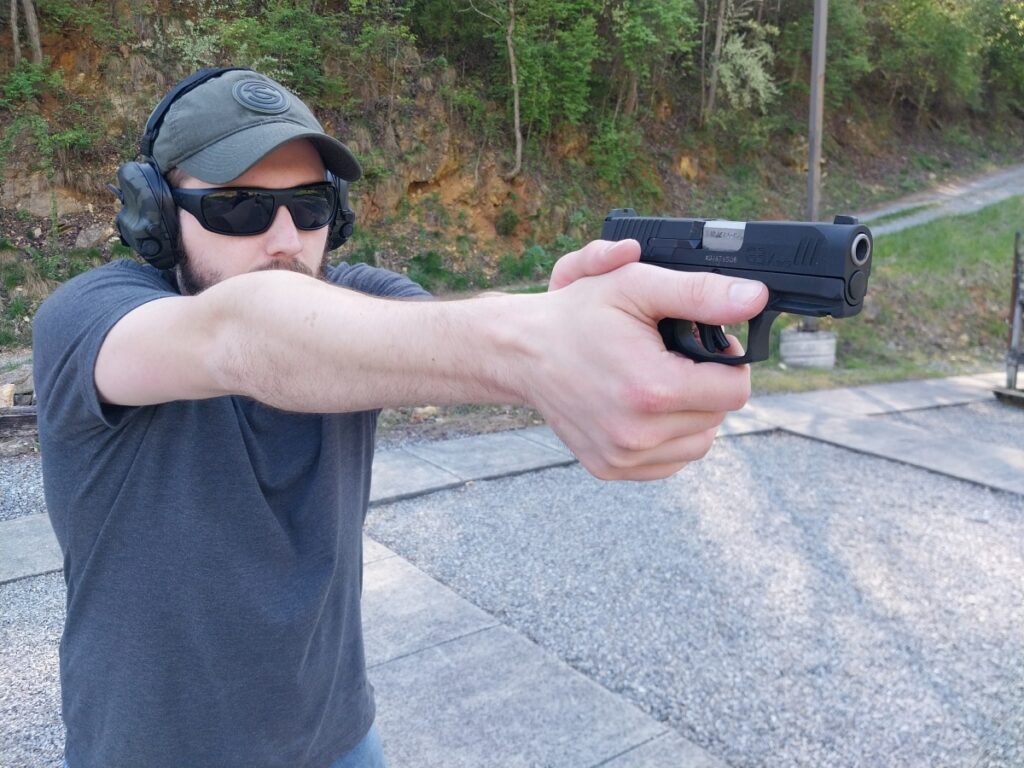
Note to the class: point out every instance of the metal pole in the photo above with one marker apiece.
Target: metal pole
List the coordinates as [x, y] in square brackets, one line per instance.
[817, 108]
[1013, 356]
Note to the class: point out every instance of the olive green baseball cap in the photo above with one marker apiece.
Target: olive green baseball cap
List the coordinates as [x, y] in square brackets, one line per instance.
[222, 127]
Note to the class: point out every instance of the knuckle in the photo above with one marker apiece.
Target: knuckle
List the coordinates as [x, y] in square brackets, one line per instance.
[648, 397]
[697, 290]
[738, 395]
[703, 444]
[603, 471]
[629, 439]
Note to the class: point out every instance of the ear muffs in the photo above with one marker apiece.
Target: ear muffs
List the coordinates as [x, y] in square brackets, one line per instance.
[344, 219]
[148, 219]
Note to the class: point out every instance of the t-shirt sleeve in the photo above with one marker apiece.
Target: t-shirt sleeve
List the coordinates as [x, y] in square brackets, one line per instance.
[68, 332]
[376, 281]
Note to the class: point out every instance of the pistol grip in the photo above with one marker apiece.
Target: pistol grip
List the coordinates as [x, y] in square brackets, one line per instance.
[691, 339]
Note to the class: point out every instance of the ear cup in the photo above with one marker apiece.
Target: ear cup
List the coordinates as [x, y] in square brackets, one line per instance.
[148, 219]
[344, 219]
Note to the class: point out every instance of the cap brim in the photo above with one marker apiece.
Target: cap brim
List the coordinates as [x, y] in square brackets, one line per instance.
[233, 155]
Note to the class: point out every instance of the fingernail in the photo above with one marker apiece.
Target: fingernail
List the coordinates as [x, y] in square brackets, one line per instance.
[744, 291]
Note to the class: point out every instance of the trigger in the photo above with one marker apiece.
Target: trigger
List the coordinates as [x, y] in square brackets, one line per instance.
[712, 337]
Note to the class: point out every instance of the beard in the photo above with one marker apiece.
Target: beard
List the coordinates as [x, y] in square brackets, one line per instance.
[192, 281]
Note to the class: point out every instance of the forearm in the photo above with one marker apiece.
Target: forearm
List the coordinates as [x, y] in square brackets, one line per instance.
[304, 345]
[587, 355]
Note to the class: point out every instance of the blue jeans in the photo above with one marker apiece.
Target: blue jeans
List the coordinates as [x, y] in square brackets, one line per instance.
[366, 754]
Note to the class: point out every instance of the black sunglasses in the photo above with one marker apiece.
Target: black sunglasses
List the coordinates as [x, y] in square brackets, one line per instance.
[251, 210]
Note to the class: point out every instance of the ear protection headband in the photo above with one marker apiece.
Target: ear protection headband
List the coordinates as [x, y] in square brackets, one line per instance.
[148, 219]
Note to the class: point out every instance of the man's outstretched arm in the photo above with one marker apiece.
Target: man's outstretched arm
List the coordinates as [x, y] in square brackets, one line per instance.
[587, 355]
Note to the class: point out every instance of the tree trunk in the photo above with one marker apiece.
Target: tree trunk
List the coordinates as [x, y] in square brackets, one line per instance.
[14, 32]
[515, 90]
[632, 94]
[704, 56]
[32, 28]
[716, 56]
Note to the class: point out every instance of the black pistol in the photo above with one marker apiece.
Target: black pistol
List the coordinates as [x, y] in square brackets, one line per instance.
[810, 268]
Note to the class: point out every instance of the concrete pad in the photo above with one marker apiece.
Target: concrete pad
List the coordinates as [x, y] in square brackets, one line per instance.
[874, 399]
[743, 423]
[496, 699]
[668, 751]
[995, 466]
[546, 437]
[486, 456]
[398, 474]
[28, 547]
[405, 611]
[372, 551]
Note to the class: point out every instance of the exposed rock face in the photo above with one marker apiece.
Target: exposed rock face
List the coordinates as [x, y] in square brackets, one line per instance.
[16, 386]
[31, 192]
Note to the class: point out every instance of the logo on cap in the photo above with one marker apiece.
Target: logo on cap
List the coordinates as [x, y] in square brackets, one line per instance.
[260, 96]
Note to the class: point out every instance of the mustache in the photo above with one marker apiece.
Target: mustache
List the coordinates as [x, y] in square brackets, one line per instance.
[289, 265]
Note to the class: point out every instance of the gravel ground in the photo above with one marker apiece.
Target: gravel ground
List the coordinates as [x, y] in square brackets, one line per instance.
[782, 603]
[31, 620]
[21, 487]
[990, 422]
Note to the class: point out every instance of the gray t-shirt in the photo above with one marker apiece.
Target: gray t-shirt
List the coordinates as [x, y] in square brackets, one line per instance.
[212, 555]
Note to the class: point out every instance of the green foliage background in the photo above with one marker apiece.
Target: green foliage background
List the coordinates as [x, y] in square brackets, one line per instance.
[603, 65]
[612, 93]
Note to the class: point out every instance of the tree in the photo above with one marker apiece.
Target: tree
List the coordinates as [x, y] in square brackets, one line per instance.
[31, 29]
[551, 47]
[646, 36]
[741, 59]
[14, 33]
[929, 53]
[509, 25]
[716, 57]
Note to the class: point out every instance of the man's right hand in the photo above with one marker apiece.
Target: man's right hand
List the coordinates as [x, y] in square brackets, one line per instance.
[602, 378]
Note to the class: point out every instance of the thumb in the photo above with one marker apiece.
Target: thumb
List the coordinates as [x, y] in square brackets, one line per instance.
[703, 297]
[597, 257]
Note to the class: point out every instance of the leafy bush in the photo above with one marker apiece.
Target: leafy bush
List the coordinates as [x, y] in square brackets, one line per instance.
[26, 83]
[284, 41]
[428, 270]
[535, 263]
[506, 222]
[615, 150]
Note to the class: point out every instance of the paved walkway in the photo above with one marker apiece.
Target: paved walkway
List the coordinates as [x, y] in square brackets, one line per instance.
[950, 199]
[506, 701]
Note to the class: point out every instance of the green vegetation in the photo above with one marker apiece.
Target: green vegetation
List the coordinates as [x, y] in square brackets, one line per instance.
[28, 277]
[937, 305]
[731, 74]
[674, 107]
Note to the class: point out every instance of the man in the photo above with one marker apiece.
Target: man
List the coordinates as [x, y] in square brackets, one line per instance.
[207, 429]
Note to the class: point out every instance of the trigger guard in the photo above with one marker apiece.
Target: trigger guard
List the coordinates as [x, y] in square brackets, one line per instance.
[682, 336]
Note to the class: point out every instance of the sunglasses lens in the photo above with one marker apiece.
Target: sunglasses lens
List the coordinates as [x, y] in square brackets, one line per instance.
[237, 212]
[312, 207]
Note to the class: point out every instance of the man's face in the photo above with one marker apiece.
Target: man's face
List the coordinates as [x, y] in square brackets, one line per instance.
[210, 257]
